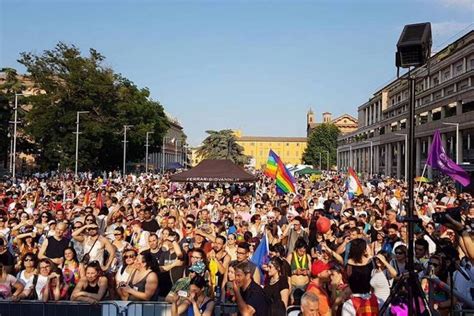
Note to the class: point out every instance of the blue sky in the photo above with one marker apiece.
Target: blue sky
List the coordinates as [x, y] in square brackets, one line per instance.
[252, 65]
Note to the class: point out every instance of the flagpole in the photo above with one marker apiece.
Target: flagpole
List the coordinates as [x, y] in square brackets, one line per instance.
[422, 174]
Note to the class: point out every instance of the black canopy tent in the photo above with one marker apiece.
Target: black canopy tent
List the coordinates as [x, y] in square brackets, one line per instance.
[210, 170]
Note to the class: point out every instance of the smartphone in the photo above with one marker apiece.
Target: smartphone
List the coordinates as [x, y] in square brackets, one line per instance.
[183, 293]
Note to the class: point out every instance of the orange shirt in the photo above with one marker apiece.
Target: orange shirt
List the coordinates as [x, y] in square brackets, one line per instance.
[324, 303]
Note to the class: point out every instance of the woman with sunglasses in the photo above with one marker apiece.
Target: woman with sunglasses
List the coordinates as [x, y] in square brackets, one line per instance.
[231, 246]
[26, 243]
[28, 266]
[439, 297]
[120, 246]
[143, 283]
[125, 270]
[400, 260]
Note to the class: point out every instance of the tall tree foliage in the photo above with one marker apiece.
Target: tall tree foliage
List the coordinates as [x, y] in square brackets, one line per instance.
[222, 145]
[10, 86]
[72, 82]
[323, 138]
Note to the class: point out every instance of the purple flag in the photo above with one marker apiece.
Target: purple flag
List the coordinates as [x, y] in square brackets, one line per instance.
[438, 159]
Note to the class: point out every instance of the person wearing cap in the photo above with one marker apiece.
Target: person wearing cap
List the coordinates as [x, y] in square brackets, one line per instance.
[182, 285]
[95, 245]
[53, 247]
[320, 277]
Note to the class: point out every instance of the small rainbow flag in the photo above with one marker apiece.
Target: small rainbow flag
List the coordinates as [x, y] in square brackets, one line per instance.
[272, 165]
[284, 180]
[353, 185]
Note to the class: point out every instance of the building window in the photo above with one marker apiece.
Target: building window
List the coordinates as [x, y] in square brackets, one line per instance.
[472, 63]
[436, 115]
[446, 75]
[435, 81]
[449, 90]
[463, 85]
[437, 95]
[459, 68]
[468, 107]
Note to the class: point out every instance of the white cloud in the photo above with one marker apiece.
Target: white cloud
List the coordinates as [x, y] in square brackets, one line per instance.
[458, 4]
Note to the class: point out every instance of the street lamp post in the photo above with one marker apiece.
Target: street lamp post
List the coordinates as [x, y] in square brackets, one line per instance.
[327, 159]
[406, 156]
[125, 128]
[15, 122]
[371, 155]
[457, 140]
[10, 163]
[146, 151]
[77, 140]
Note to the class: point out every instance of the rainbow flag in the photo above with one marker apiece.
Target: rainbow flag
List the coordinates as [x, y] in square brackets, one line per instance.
[353, 185]
[284, 180]
[272, 165]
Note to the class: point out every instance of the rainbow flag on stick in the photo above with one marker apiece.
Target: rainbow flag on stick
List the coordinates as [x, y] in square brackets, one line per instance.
[272, 165]
[284, 180]
[353, 185]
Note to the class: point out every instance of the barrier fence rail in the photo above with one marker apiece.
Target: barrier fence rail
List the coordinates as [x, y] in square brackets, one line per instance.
[60, 308]
[107, 308]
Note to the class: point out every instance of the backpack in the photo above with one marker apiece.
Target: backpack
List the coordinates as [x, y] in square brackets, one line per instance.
[365, 307]
[33, 295]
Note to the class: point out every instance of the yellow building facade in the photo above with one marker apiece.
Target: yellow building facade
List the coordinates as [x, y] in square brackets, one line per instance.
[290, 149]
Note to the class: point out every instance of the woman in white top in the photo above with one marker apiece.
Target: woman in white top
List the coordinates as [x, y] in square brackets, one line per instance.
[120, 246]
[125, 270]
[28, 268]
[381, 277]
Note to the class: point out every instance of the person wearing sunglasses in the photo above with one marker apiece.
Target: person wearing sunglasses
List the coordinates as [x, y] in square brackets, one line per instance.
[29, 262]
[125, 270]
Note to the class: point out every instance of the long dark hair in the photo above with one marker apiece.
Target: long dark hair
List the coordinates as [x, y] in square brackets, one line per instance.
[357, 250]
[150, 262]
[31, 255]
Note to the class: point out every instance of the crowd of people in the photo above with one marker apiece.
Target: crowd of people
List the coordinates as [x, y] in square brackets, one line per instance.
[144, 238]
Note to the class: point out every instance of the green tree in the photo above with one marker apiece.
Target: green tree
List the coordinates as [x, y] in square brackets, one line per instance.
[8, 88]
[71, 82]
[222, 145]
[323, 138]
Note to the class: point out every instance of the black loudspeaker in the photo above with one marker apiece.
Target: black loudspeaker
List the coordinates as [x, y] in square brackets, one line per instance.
[414, 45]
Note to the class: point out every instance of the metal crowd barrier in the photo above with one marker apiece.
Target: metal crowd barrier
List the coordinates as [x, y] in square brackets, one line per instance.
[464, 312]
[106, 308]
[60, 308]
[164, 309]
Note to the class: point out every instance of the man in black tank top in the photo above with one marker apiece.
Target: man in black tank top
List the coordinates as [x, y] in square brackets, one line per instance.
[53, 247]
